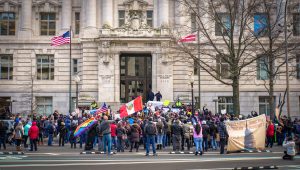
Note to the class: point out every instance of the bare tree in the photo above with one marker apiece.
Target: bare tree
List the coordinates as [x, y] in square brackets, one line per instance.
[227, 40]
[271, 44]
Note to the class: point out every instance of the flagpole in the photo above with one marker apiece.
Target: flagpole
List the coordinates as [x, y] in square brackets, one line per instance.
[198, 51]
[70, 81]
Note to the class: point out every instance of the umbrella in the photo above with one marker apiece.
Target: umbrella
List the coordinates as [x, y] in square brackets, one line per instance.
[85, 126]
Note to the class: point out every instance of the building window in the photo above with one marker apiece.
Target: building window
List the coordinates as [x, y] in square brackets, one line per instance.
[222, 24]
[298, 66]
[7, 23]
[223, 67]
[77, 22]
[225, 104]
[264, 107]
[6, 67]
[44, 105]
[193, 23]
[45, 67]
[150, 18]
[262, 68]
[121, 18]
[296, 24]
[48, 23]
[75, 66]
[260, 24]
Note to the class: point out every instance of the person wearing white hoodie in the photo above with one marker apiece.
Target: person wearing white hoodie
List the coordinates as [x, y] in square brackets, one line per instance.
[289, 146]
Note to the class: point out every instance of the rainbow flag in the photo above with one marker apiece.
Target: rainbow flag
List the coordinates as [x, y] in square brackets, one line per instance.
[85, 126]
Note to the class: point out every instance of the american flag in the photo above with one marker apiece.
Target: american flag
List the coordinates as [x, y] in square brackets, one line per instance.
[103, 109]
[62, 39]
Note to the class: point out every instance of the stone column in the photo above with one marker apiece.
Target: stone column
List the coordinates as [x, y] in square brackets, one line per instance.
[91, 13]
[107, 13]
[83, 15]
[26, 17]
[66, 17]
[163, 13]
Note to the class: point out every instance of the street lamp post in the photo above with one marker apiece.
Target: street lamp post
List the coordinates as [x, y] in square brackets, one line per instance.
[286, 60]
[192, 91]
[77, 80]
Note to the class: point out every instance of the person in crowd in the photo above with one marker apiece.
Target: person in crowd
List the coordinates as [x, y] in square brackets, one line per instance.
[33, 136]
[135, 133]
[99, 136]
[150, 95]
[213, 130]
[198, 138]
[113, 128]
[187, 131]
[94, 105]
[270, 134]
[160, 133]
[150, 132]
[279, 135]
[177, 132]
[3, 130]
[289, 146]
[205, 133]
[18, 135]
[121, 136]
[62, 134]
[25, 136]
[106, 131]
[50, 130]
[73, 140]
[223, 135]
[158, 96]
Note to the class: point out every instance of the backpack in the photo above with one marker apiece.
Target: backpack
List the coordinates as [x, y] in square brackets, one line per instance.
[151, 129]
[159, 128]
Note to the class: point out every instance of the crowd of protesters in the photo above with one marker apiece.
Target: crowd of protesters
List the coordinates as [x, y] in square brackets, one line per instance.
[159, 129]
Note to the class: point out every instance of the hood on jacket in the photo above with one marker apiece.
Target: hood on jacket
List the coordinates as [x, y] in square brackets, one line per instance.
[33, 123]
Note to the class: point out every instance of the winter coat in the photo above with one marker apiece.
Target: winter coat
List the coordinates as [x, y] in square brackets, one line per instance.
[270, 130]
[113, 129]
[135, 133]
[26, 129]
[290, 147]
[105, 127]
[177, 129]
[121, 131]
[62, 130]
[33, 131]
[19, 131]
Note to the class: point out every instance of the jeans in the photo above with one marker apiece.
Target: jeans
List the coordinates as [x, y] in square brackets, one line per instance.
[198, 144]
[222, 145]
[205, 143]
[270, 141]
[160, 139]
[213, 142]
[33, 142]
[3, 141]
[50, 139]
[82, 139]
[100, 143]
[25, 141]
[120, 144]
[114, 142]
[107, 142]
[150, 140]
[164, 140]
[61, 140]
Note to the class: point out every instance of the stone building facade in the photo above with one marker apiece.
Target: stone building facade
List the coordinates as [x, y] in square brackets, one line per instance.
[119, 51]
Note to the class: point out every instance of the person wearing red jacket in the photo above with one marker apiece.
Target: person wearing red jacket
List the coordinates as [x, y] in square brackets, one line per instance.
[113, 134]
[270, 134]
[33, 136]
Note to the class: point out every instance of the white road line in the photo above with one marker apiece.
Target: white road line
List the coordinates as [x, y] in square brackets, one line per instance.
[125, 162]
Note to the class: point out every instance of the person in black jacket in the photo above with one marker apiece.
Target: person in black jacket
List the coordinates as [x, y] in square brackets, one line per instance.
[177, 132]
[62, 134]
[3, 130]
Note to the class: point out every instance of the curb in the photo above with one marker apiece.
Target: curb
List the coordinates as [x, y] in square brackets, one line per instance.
[178, 152]
[250, 151]
[11, 153]
[256, 167]
[97, 152]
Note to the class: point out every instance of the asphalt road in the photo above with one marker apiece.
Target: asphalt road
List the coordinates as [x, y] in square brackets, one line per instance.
[56, 158]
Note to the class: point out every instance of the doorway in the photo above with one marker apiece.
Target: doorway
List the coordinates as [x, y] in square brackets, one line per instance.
[136, 76]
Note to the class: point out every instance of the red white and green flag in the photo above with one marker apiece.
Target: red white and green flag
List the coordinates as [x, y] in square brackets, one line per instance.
[133, 106]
